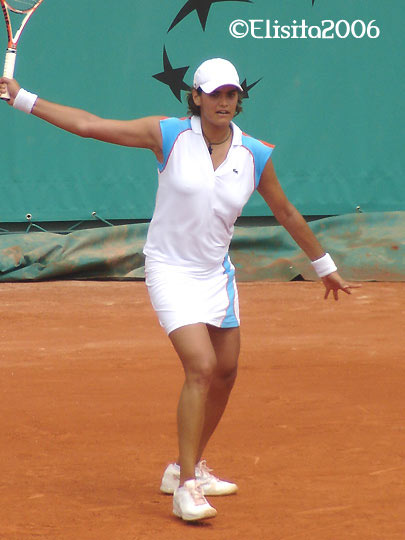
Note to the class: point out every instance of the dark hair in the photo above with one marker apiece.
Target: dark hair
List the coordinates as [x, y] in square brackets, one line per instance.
[194, 109]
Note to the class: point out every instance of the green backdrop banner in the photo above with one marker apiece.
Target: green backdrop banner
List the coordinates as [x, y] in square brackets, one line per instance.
[364, 246]
[324, 81]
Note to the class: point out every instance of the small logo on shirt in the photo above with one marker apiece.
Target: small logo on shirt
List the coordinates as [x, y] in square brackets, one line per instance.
[235, 171]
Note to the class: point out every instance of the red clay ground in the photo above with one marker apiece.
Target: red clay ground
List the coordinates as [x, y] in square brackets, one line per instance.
[314, 433]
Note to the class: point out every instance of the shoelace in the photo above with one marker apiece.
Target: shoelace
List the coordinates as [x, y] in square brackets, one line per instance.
[197, 493]
[205, 471]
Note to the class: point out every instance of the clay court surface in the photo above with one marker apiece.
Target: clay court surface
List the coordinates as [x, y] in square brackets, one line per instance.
[314, 434]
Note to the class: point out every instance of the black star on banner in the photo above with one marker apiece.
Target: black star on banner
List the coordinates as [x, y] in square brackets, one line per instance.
[246, 88]
[202, 7]
[173, 77]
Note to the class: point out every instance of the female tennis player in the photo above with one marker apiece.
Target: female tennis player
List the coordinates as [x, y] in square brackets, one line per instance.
[207, 171]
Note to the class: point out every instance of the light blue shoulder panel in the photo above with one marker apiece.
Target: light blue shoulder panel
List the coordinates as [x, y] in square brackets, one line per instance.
[171, 129]
[261, 152]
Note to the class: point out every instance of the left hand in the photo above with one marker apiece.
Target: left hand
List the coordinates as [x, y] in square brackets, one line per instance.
[333, 282]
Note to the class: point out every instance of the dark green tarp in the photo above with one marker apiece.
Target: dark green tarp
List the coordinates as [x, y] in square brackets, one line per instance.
[366, 247]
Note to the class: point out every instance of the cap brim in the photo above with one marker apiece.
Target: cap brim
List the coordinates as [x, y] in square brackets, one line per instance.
[210, 86]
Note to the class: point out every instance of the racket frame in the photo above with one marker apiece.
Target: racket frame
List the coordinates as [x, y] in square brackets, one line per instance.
[11, 51]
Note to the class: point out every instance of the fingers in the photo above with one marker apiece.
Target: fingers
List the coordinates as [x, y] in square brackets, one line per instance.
[4, 81]
[11, 86]
[345, 287]
[3, 86]
[335, 293]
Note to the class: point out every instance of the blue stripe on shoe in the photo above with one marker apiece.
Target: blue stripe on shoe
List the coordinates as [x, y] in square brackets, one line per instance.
[230, 319]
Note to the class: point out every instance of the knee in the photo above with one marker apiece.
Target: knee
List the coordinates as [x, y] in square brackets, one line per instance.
[202, 372]
[226, 377]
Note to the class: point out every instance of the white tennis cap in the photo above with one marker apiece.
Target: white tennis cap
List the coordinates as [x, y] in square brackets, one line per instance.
[215, 73]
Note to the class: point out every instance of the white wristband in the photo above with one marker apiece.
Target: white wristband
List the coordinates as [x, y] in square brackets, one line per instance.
[25, 101]
[324, 266]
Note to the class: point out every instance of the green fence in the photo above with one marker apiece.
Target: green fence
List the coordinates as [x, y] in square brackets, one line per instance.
[324, 80]
[366, 247]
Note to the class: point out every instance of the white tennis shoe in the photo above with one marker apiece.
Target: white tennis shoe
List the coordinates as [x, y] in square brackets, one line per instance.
[190, 504]
[210, 484]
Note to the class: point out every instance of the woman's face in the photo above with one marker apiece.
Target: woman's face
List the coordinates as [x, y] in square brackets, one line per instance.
[219, 107]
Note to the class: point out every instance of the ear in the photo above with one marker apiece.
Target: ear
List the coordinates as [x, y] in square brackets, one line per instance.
[196, 97]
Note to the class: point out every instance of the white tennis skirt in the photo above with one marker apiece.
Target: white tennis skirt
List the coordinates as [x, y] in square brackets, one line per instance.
[182, 296]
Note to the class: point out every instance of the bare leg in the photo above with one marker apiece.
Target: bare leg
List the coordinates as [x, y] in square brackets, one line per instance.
[226, 343]
[210, 358]
[194, 347]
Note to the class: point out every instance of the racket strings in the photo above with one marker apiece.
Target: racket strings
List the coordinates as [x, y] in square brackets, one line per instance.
[21, 5]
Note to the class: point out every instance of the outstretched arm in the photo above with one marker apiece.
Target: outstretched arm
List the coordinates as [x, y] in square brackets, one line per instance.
[289, 217]
[140, 133]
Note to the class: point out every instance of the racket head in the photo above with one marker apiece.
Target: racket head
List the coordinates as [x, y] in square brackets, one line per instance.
[21, 6]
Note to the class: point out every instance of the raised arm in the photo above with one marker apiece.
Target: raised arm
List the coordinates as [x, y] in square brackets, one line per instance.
[140, 133]
[289, 217]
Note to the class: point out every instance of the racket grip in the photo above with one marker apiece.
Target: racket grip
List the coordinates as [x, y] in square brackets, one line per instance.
[8, 72]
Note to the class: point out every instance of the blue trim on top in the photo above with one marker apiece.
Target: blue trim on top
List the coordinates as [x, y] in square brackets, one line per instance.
[230, 320]
[261, 153]
[171, 129]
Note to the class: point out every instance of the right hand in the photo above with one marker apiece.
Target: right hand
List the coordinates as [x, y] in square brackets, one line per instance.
[12, 86]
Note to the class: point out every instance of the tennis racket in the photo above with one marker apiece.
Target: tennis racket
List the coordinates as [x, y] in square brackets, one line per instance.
[24, 9]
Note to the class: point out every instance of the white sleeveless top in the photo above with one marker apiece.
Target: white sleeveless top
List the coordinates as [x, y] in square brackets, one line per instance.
[197, 206]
